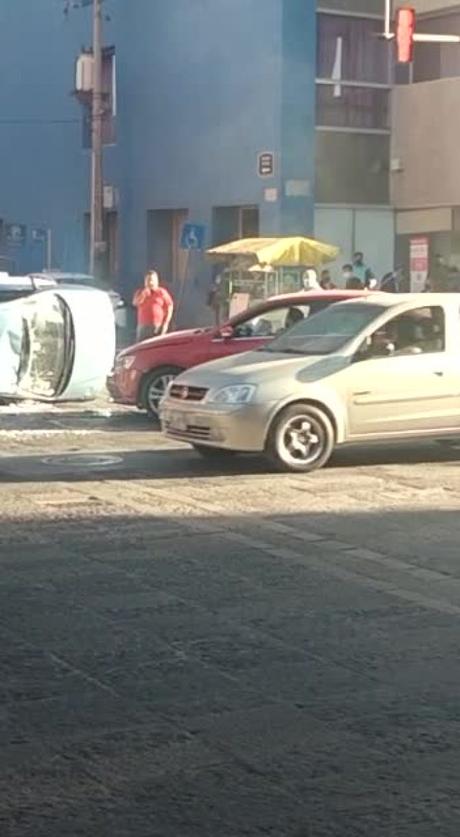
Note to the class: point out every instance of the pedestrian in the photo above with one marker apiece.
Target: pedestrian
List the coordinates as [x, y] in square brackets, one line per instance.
[155, 308]
[293, 316]
[218, 298]
[310, 280]
[361, 270]
[325, 281]
[389, 282]
[347, 273]
[354, 284]
[440, 274]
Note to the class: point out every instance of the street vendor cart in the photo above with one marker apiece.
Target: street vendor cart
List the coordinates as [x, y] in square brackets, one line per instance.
[258, 268]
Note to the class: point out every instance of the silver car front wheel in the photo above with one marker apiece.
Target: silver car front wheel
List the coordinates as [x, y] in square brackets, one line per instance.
[301, 439]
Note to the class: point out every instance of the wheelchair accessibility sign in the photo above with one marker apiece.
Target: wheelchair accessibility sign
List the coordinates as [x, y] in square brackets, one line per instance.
[193, 237]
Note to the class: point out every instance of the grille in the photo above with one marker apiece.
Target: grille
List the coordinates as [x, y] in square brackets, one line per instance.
[193, 431]
[184, 393]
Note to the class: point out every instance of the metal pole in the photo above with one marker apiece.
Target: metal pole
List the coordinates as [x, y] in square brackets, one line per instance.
[387, 18]
[97, 190]
[49, 249]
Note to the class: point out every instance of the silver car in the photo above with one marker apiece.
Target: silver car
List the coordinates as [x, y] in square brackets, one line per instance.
[379, 368]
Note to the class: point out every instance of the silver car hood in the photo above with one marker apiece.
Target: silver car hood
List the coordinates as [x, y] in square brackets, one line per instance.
[259, 367]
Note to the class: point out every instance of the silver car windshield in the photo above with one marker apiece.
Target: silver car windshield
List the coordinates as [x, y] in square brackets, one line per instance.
[326, 332]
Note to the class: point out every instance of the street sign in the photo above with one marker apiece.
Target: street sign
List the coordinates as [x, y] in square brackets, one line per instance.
[193, 237]
[266, 164]
[16, 234]
[418, 254]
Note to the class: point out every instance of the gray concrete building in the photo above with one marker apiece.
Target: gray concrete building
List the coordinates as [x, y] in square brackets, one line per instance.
[425, 162]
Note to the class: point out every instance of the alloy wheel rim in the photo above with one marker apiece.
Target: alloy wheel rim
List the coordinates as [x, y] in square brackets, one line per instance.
[157, 390]
[301, 440]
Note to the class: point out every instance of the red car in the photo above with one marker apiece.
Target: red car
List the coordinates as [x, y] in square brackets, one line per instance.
[143, 371]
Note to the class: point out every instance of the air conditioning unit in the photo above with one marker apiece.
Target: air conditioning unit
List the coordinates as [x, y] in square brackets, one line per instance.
[396, 164]
[84, 73]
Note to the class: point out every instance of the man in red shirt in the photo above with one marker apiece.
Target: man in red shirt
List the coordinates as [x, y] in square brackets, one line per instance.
[155, 307]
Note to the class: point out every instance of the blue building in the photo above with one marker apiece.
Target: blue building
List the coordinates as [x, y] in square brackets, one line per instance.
[196, 91]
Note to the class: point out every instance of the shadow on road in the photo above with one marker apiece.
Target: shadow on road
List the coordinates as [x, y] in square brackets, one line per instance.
[174, 463]
[69, 420]
[161, 679]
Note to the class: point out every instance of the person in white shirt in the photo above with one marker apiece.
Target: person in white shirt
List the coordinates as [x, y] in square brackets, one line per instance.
[310, 280]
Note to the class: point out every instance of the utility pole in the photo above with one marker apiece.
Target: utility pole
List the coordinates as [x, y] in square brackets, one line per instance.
[97, 244]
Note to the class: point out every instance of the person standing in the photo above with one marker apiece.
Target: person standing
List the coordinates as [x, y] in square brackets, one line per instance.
[310, 280]
[389, 282]
[325, 281]
[218, 298]
[347, 273]
[361, 270]
[354, 284]
[154, 306]
[439, 274]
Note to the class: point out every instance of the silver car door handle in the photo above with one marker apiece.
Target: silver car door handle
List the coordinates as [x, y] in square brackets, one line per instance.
[364, 392]
[439, 373]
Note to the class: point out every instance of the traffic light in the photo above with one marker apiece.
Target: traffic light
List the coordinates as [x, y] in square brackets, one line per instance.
[404, 36]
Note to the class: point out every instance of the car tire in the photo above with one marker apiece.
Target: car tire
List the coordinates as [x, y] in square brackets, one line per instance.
[213, 453]
[154, 387]
[301, 439]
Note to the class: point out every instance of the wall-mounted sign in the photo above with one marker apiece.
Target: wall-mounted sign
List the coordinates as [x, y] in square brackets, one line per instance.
[419, 263]
[266, 164]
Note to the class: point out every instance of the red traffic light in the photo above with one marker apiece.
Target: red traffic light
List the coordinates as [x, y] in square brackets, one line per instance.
[405, 30]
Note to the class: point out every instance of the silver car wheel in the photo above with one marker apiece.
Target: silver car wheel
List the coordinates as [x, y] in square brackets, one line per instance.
[157, 390]
[301, 440]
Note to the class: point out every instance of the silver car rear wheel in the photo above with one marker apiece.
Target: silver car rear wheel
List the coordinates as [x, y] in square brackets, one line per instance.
[301, 439]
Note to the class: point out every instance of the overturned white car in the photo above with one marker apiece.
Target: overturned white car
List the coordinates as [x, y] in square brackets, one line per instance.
[56, 345]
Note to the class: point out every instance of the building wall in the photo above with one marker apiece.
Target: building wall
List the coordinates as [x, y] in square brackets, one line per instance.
[429, 174]
[215, 83]
[43, 168]
[203, 87]
[431, 6]
[353, 132]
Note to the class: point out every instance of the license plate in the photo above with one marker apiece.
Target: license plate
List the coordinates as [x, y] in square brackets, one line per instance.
[177, 421]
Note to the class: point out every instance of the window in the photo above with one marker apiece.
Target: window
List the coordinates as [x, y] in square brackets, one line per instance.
[413, 333]
[349, 48]
[232, 222]
[356, 107]
[353, 74]
[272, 322]
[352, 168]
[329, 331]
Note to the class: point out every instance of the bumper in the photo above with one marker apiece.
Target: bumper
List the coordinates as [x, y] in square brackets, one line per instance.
[242, 428]
[123, 386]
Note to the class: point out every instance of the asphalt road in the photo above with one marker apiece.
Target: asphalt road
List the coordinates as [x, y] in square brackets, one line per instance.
[196, 651]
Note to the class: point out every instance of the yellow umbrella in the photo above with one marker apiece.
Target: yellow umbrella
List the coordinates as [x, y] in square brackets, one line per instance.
[287, 251]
